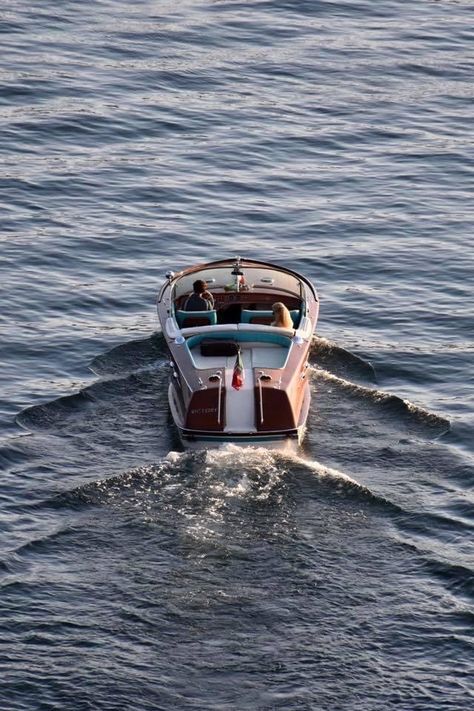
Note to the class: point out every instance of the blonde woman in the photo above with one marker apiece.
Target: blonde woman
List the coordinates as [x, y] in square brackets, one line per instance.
[281, 316]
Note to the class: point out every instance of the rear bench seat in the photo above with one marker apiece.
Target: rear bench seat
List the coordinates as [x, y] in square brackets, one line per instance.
[272, 353]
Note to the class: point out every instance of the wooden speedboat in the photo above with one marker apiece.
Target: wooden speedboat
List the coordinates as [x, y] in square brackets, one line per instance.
[235, 377]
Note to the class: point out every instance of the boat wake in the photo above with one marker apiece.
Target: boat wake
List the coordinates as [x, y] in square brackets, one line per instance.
[336, 366]
[131, 357]
[138, 369]
[340, 361]
[121, 422]
[249, 475]
[212, 503]
[114, 390]
[434, 424]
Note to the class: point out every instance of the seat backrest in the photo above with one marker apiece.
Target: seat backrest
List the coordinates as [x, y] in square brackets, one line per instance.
[266, 317]
[187, 319]
[271, 335]
[262, 317]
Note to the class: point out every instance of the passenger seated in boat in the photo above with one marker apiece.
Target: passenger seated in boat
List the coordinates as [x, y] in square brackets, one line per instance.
[281, 316]
[201, 299]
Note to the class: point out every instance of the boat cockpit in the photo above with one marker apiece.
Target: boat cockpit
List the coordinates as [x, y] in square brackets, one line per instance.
[241, 296]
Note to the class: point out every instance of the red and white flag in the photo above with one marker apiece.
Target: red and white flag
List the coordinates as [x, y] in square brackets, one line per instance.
[238, 374]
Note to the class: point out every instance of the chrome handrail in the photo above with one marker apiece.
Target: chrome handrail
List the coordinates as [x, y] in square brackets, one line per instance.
[262, 376]
[218, 376]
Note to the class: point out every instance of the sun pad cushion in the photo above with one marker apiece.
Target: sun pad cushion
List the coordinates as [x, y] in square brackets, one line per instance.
[212, 348]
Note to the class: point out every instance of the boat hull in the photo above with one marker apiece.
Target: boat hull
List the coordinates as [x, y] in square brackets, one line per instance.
[237, 377]
[200, 439]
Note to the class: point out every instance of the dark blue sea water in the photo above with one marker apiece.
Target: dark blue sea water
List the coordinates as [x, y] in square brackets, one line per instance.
[335, 138]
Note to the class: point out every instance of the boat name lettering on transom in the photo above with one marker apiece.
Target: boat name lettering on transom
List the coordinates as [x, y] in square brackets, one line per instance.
[203, 410]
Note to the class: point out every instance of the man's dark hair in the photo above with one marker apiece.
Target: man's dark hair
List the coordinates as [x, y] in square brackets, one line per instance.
[199, 286]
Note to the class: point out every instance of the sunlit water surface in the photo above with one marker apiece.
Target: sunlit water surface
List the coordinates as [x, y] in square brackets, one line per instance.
[335, 138]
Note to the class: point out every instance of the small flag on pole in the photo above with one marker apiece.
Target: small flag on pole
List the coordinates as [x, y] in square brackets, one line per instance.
[238, 374]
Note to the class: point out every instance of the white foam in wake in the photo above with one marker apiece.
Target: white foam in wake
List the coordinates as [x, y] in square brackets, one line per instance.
[323, 471]
[264, 459]
[232, 454]
[174, 457]
[259, 459]
[348, 383]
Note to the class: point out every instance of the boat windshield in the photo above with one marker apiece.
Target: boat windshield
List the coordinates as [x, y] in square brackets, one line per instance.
[254, 279]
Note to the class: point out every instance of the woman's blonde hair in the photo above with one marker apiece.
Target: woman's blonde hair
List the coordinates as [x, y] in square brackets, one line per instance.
[282, 316]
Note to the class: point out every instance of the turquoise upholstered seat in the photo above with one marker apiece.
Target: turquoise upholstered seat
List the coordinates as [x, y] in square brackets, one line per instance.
[242, 337]
[187, 319]
[266, 317]
[261, 355]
